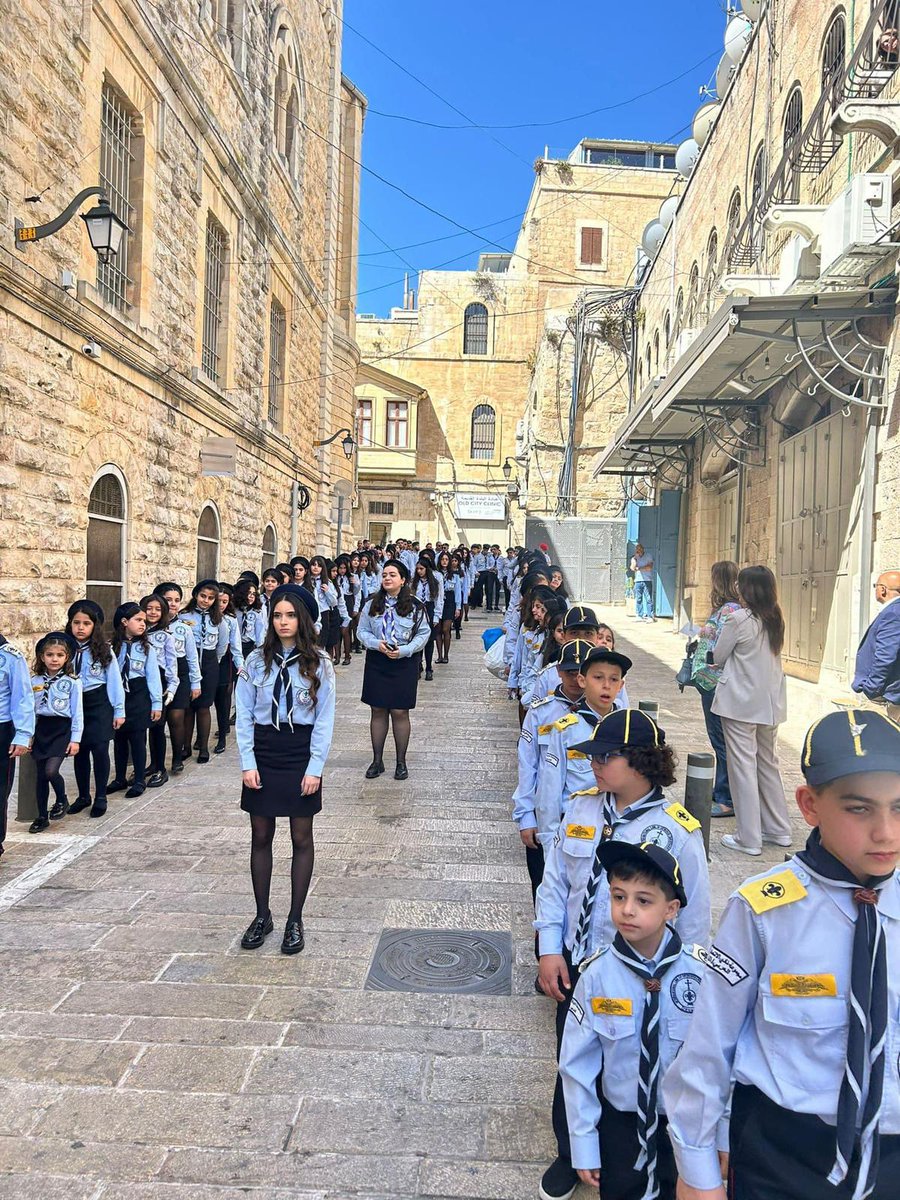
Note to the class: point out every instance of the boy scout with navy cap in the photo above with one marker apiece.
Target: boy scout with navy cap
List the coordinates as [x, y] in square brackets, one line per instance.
[627, 1020]
[580, 624]
[631, 764]
[537, 826]
[800, 1010]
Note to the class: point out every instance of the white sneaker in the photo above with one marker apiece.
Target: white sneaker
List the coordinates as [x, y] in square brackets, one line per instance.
[731, 842]
[776, 841]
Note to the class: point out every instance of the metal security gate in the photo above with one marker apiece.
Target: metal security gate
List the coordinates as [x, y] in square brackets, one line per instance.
[658, 532]
[592, 555]
[819, 483]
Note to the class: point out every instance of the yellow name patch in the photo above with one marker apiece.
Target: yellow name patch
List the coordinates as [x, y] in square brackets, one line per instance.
[609, 1006]
[683, 817]
[575, 754]
[565, 722]
[594, 791]
[803, 985]
[585, 832]
[773, 891]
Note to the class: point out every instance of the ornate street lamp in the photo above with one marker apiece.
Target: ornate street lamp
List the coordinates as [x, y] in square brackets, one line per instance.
[507, 469]
[105, 227]
[347, 441]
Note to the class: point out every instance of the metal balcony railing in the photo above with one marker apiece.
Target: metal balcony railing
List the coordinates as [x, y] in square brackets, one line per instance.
[866, 75]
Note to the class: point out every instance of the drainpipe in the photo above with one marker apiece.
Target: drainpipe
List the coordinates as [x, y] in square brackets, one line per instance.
[294, 500]
[866, 526]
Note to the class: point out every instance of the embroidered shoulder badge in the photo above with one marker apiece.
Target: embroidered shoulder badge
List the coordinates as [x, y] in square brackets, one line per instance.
[6, 648]
[773, 891]
[565, 722]
[526, 736]
[584, 833]
[575, 754]
[543, 730]
[682, 817]
[594, 791]
[552, 760]
[541, 701]
[723, 964]
[576, 1011]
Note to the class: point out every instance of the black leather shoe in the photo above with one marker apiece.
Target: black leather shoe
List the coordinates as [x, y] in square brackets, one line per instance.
[158, 778]
[186, 755]
[220, 746]
[257, 932]
[116, 785]
[203, 758]
[429, 676]
[177, 766]
[400, 771]
[458, 634]
[559, 1181]
[79, 804]
[98, 808]
[59, 810]
[293, 940]
[38, 825]
[136, 789]
[375, 768]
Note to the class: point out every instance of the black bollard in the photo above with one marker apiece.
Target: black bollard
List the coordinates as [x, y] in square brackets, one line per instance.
[700, 777]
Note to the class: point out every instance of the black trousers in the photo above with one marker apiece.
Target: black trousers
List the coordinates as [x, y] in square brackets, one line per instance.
[477, 597]
[506, 593]
[7, 774]
[534, 861]
[619, 1149]
[490, 589]
[782, 1155]
[558, 1113]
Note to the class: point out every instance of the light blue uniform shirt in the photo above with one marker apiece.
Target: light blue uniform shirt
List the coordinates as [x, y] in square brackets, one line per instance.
[59, 696]
[16, 703]
[568, 863]
[479, 562]
[453, 583]
[606, 1045]
[409, 558]
[215, 636]
[186, 647]
[252, 624]
[411, 632]
[143, 664]
[532, 745]
[253, 706]
[163, 643]
[94, 675]
[234, 640]
[774, 1011]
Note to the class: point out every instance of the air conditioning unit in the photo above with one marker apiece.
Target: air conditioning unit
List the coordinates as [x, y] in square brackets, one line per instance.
[855, 229]
[683, 341]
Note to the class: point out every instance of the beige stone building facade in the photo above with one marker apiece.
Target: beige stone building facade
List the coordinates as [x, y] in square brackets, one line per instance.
[765, 378]
[227, 139]
[490, 355]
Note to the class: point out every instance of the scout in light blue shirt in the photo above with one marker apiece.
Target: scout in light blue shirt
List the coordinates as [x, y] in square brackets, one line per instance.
[163, 643]
[93, 674]
[234, 639]
[59, 696]
[16, 706]
[253, 703]
[252, 624]
[142, 664]
[410, 633]
[206, 633]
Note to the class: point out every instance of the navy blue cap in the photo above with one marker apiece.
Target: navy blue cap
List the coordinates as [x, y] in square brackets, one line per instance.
[601, 654]
[623, 727]
[574, 655]
[647, 854]
[58, 635]
[579, 617]
[850, 743]
[300, 593]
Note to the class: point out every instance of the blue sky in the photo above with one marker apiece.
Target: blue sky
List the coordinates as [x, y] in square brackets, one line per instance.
[503, 63]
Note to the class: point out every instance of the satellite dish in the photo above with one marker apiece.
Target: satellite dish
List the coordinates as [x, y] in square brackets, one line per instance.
[667, 211]
[652, 238]
[704, 119]
[686, 158]
[752, 9]
[724, 74]
[737, 37]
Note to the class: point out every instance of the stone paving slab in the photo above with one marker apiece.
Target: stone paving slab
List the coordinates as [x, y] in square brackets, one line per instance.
[144, 1056]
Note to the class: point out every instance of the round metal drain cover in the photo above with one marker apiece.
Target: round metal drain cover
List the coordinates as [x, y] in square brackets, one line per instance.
[442, 960]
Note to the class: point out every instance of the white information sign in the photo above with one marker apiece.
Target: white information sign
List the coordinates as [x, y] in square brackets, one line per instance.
[479, 506]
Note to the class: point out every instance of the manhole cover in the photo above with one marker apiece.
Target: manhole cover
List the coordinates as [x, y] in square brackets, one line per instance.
[442, 960]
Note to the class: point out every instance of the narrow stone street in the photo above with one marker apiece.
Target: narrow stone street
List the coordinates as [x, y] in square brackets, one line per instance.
[146, 1057]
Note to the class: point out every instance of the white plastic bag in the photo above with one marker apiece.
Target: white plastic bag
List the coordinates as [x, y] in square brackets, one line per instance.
[493, 660]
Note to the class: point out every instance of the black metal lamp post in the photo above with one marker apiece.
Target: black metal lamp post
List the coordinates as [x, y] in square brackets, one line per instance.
[507, 469]
[105, 227]
[348, 442]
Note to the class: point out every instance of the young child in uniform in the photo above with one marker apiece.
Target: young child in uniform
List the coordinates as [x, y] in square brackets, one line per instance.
[578, 622]
[160, 638]
[59, 722]
[103, 701]
[627, 1020]
[188, 668]
[800, 1010]
[16, 722]
[139, 668]
[631, 765]
[203, 617]
[231, 663]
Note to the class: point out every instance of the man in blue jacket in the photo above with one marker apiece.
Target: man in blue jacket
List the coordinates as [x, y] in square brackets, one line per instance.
[878, 657]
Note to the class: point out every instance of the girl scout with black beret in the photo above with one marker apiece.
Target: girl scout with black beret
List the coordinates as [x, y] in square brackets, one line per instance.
[59, 722]
[139, 668]
[203, 617]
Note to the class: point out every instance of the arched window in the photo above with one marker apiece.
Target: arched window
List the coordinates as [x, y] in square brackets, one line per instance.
[711, 273]
[484, 431]
[793, 127]
[693, 296]
[269, 548]
[667, 331]
[834, 50]
[679, 316]
[475, 330]
[288, 100]
[107, 514]
[656, 353]
[758, 179]
[649, 363]
[281, 91]
[734, 219]
[208, 544]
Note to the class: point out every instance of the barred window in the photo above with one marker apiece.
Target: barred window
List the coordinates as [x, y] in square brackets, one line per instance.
[364, 422]
[475, 330]
[117, 174]
[397, 424]
[484, 427]
[693, 296]
[277, 334]
[213, 298]
[833, 52]
[105, 566]
[793, 128]
[734, 217]
[381, 508]
[269, 549]
[758, 181]
[208, 544]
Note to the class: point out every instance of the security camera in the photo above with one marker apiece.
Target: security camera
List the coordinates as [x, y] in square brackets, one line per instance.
[91, 349]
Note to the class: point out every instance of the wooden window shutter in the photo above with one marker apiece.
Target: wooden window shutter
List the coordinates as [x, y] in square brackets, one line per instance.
[592, 246]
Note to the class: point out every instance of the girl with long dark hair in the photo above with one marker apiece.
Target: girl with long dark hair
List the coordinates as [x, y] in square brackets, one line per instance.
[428, 591]
[394, 629]
[203, 617]
[751, 699]
[188, 665]
[139, 668]
[59, 720]
[231, 662]
[285, 721]
[250, 617]
[347, 583]
[451, 603]
[103, 701]
[160, 637]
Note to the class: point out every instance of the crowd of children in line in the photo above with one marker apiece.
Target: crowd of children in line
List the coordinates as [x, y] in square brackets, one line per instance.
[761, 1061]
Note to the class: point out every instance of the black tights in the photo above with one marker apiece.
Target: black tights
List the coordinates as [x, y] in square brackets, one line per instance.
[175, 719]
[204, 722]
[262, 833]
[444, 637]
[429, 650]
[134, 740]
[157, 739]
[82, 764]
[48, 776]
[223, 710]
[378, 728]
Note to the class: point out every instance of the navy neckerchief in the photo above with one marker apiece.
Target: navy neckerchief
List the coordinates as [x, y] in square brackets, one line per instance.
[284, 685]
